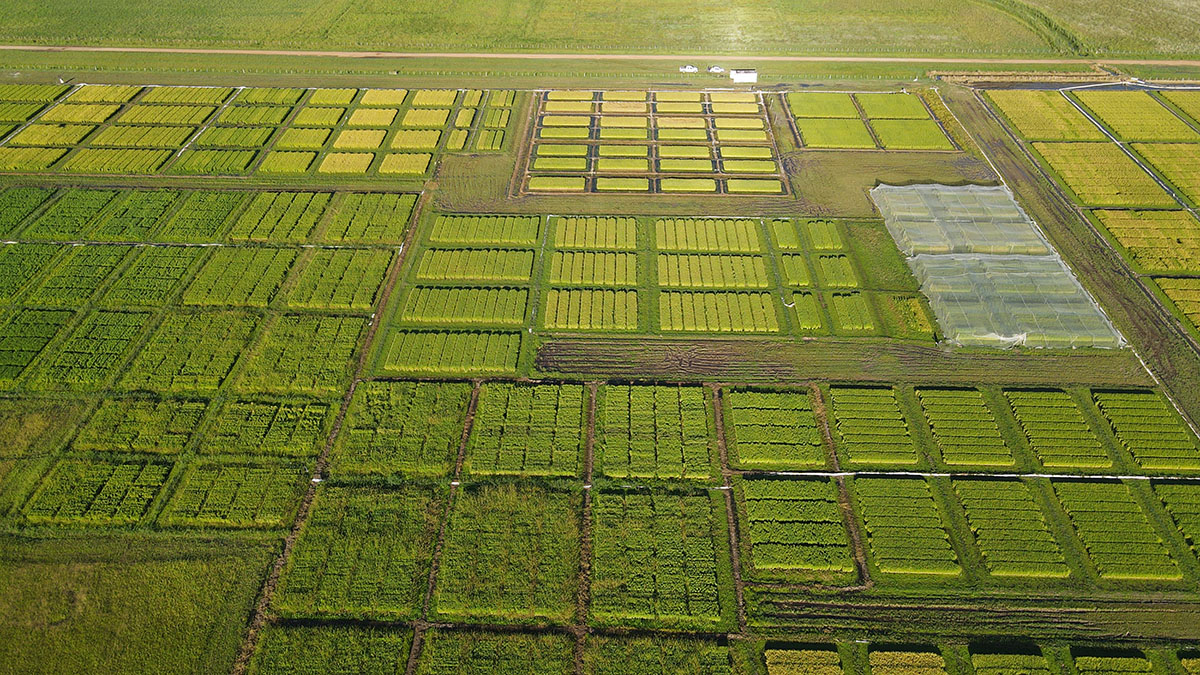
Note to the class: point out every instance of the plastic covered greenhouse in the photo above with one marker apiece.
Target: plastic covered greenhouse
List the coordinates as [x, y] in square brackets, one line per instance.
[991, 277]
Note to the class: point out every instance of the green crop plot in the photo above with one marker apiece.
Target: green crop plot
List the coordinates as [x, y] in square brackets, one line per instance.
[97, 492]
[461, 651]
[363, 553]
[773, 430]
[340, 280]
[75, 279]
[646, 655]
[1057, 431]
[247, 277]
[964, 428]
[835, 133]
[871, 427]
[1117, 533]
[1010, 529]
[1150, 430]
[659, 559]
[280, 217]
[93, 352]
[190, 352]
[304, 354]
[796, 526]
[371, 651]
[412, 428]
[24, 334]
[261, 427]
[910, 134]
[259, 495]
[69, 215]
[370, 219]
[905, 527]
[1101, 174]
[141, 425]
[496, 535]
[653, 432]
[527, 430]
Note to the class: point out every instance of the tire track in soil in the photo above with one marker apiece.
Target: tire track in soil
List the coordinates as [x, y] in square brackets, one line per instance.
[261, 608]
[584, 594]
[422, 625]
[739, 587]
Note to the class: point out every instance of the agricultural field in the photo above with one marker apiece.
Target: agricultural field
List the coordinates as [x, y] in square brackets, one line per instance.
[445, 374]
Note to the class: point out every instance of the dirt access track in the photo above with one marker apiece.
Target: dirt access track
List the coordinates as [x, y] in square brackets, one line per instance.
[613, 57]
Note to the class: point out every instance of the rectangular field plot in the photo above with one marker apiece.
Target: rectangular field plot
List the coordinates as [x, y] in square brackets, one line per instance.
[134, 215]
[1183, 503]
[496, 535]
[447, 652]
[1057, 431]
[1044, 115]
[306, 354]
[141, 425]
[201, 218]
[331, 649]
[363, 553]
[909, 134]
[964, 428]
[280, 217]
[1177, 162]
[465, 306]
[23, 335]
[527, 430]
[258, 495]
[1104, 662]
[653, 145]
[99, 493]
[1010, 529]
[593, 268]
[587, 309]
[658, 654]
[659, 559]
[707, 235]
[1101, 174]
[871, 427]
[772, 430]
[815, 661]
[1000, 663]
[22, 263]
[77, 276]
[486, 230]
[191, 352]
[905, 526]
[449, 353]
[1136, 116]
[1153, 433]
[1117, 533]
[1185, 295]
[410, 428]
[712, 271]
[617, 234]
[796, 525]
[487, 265]
[370, 219]
[69, 216]
[93, 352]
[260, 427]
[247, 277]
[653, 432]
[17, 203]
[1156, 241]
[909, 662]
[718, 312]
[346, 280]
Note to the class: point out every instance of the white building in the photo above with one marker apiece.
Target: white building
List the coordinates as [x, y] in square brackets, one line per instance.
[744, 75]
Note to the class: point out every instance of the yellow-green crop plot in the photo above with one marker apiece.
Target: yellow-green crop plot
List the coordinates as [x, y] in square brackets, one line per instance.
[1157, 241]
[1137, 116]
[1045, 115]
[1185, 293]
[892, 106]
[1179, 162]
[359, 139]
[405, 163]
[908, 134]
[372, 117]
[834, 133]
[346, 162]
[1101, 174]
